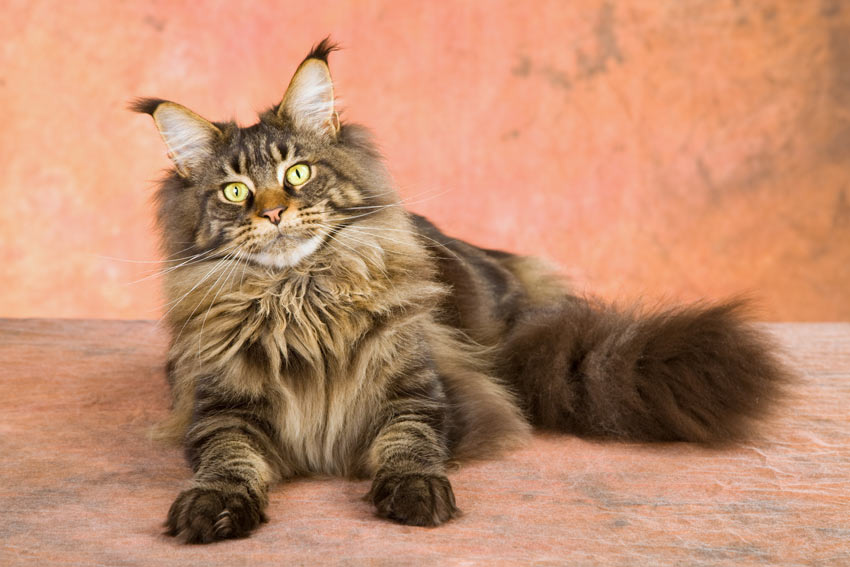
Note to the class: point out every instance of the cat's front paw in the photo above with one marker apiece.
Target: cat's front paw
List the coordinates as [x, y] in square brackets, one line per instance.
[414, 499]
[204, 515]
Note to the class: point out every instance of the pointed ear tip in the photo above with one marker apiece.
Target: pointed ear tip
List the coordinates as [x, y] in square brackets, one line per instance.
[315, 64]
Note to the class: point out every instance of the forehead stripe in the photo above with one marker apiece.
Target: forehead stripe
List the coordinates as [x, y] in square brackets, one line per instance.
[275, 151]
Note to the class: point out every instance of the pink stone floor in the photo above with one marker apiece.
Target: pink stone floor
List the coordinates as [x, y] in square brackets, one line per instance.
[80, 483]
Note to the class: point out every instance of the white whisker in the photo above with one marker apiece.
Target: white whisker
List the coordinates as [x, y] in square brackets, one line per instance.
[189, 318]
[176, 302]
[356, 252]
[375, 231]
[202, 257]
[129, 261]
[235, 263]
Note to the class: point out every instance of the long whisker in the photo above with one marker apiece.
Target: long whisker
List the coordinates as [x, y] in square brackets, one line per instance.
[330, 234]
[423, 194]
[400, 202]
[373, 209]
[356, 252]
[244, 266]
[235, 263]
[199, 258]
[375, 231]
[129, 261]
[176, 302]
[378, 208]
[204, 256]
[191, 315]
[348, 229]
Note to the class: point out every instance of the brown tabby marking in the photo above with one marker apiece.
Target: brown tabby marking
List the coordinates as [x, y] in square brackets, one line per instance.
[319, 328]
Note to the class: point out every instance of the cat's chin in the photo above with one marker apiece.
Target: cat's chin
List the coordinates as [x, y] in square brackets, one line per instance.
[287, 252]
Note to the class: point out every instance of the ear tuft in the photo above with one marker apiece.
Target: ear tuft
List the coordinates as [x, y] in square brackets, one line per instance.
[322, 50]
[309, 99]
[188, 137]
[144, 105]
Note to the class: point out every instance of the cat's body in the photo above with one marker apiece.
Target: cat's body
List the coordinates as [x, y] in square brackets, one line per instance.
[318, 349]
[319, 328]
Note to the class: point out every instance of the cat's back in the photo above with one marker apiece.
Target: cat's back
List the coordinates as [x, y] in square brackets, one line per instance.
[490, 289]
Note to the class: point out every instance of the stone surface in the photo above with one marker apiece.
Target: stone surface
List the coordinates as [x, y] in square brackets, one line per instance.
[683, 149]
[81, 485]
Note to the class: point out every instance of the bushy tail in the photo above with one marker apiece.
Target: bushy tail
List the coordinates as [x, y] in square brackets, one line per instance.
[684, 374]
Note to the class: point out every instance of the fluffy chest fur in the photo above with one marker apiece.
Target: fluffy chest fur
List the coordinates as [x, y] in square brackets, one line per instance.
[314, 350]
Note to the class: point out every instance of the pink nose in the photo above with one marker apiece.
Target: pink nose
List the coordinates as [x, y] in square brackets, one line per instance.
[272, 214]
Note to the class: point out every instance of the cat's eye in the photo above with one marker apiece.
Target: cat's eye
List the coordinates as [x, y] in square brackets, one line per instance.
[298, 174]
[236, 192]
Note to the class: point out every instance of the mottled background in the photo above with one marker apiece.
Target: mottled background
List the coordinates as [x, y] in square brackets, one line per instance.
[673, 149]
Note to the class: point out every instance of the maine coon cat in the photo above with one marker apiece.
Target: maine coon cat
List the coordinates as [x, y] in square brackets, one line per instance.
[317, 327]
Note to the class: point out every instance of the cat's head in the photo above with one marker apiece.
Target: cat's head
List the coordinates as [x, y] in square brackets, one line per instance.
[275, 192]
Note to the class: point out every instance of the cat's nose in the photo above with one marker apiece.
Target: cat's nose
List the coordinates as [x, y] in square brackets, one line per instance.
[272, 214]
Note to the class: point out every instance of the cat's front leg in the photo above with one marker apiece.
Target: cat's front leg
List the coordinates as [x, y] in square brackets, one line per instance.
[409, 458]
[230, 453]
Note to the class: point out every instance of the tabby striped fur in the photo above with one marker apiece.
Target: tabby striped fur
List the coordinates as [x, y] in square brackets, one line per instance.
[323, 329]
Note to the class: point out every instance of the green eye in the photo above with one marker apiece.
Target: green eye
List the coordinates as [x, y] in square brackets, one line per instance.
[298, 174]
[235, 192]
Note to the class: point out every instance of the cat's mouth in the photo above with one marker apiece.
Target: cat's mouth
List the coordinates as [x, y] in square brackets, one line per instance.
[284, 241]
[293, 231]
[289, 237]
[286, 238]
[286, 249]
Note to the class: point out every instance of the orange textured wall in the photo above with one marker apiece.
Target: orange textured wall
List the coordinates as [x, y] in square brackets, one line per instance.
[676, 149]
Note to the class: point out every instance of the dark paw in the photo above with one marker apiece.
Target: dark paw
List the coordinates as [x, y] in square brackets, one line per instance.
[203, 515]
[414, 499]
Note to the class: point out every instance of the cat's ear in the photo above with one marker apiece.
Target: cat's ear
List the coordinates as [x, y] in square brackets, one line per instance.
[188, 137]
[309, 99]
